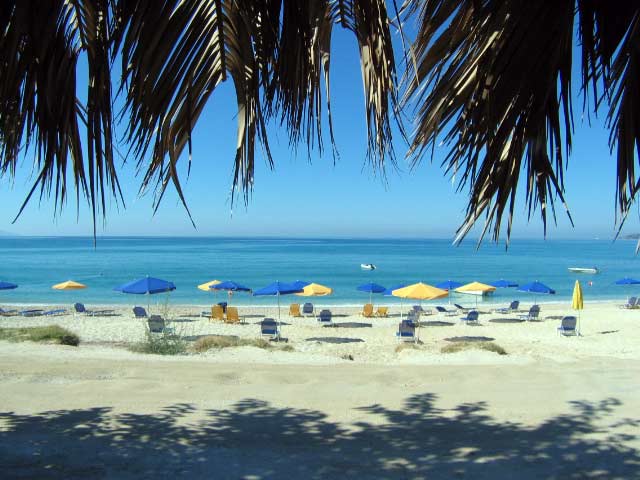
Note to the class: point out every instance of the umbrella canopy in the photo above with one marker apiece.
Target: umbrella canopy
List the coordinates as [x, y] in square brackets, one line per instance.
[69, 285]
[371, 288]
[230, 286]
[146, 286]
[420, 291]
[389, 291]
[476, 287]
[627, 281]
[448, 285]
[300, 283]
[536, 287]
[502, 283]
[7, 286]
[277, 289]
[315, 290]
[577, 301]
[207, 286]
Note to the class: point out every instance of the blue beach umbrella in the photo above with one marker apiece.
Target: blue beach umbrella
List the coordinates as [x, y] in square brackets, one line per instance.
[230, 287]
[300, 284]
[502, 283]
[371, 288]
[536, 288]
[7, 286]
[448, 285]
[389, 293]
[277, 289]
[146, 286]
[627, 281]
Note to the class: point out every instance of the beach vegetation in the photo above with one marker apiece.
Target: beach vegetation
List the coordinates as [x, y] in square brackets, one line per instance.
[491, 81]
[218, 342]
[408, 346]
[456, 347]
[162, 344]
[44, 334]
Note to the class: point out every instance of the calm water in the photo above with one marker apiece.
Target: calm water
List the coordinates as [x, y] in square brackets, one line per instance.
[37, 263]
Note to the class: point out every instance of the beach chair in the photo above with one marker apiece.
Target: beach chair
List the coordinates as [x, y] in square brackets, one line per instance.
[33, 312]
[307, 309]
[325, 316]
[157, 325]
[232, 315]
[445, 312]
[139, 312]
[413, 316]
[217, 313]
[7, 313]
[367, 310]
[80, 308]
[294, 310]
[533, 314]
[382, 312]
[631, 303]
[513, 307]
[55, 312]
[406, 332]
[568, 326]
[461, 308]
[471, 317]
[422, 311]
[269, 329]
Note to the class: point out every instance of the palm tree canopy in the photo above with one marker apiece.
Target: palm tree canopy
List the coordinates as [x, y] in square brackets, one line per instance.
[491, 78]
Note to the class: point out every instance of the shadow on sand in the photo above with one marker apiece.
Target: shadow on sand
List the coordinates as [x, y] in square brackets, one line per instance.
[254, 439]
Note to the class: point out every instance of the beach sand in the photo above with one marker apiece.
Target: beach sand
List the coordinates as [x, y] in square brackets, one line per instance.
[553, 407]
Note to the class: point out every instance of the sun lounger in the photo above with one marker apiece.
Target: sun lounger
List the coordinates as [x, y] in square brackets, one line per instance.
[413, 316]
[157, 324]
[422, 311]
[232, 315]
[406, 332]
[513, 307]
[325, 316]
[33, 312]
[139, 312]
[568, 326]
[307, 309]
[7, 313]
[367, 310]
[80, 308]
[269, 329]
[533, 314]
[55, 312]
[294, 310]
[461, 308]
[471, 317]
[445, 312]
[382, 312]
[631, 303]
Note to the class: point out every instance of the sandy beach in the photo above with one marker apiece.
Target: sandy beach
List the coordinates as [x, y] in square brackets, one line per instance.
[553, 407]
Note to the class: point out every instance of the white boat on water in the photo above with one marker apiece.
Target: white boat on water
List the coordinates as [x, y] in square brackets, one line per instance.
[583, 270]
[367, 266]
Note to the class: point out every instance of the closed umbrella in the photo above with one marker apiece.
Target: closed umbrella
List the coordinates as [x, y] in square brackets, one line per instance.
[277, 289]
[371, 288]
[69, 285]
[577, 302]
[536, 288]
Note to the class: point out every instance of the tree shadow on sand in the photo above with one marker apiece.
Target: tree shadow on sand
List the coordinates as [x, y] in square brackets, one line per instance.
[254, 439]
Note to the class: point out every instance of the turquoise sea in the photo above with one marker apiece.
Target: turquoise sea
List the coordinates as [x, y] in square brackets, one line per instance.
[37, 263]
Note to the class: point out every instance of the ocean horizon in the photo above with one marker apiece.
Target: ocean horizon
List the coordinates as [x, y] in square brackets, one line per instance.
[37, 263]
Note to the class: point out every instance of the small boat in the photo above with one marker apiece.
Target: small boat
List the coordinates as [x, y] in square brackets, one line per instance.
[367, 266]
[583, 270]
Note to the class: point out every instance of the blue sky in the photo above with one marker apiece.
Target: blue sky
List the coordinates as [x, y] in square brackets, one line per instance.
[322, 199]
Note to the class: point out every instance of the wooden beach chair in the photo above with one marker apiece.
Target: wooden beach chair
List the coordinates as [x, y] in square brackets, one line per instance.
[382, 312]
[294, 310]
[232, 315]
[367, 310]
[217, 313]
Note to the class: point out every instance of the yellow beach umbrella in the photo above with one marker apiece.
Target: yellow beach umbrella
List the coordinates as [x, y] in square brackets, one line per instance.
[577, 302]
[420, 291]
[69, 285]
[206, 287]
[315, 290]
[475, 287]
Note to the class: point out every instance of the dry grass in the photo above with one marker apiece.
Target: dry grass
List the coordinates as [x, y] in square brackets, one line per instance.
[46, 334]
[227, 341]
[407, 346]
[463, 346]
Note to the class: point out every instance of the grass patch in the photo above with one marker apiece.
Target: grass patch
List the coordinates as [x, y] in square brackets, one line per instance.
[165, 344]
[407, 346]
[462, 346]
[219, 342]
[46, 334]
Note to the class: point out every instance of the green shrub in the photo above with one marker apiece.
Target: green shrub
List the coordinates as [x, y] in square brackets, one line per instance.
[226, 341]
[462, 346]
[164, 344]
[45, 334]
